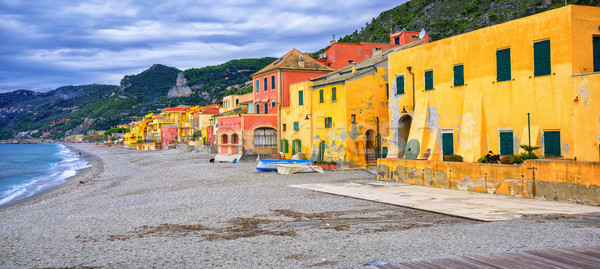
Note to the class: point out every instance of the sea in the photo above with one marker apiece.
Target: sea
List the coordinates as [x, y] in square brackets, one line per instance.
[27, 170]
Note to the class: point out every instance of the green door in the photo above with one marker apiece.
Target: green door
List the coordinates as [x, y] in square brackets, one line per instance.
[448, 143]
[506, 143]
[322, 151]
[293, 148]
[552, 143]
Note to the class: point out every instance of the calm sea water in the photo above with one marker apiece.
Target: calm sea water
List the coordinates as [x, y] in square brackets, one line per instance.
[27, 170]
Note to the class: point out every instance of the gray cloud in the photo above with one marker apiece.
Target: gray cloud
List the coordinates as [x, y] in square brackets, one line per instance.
[47, 44]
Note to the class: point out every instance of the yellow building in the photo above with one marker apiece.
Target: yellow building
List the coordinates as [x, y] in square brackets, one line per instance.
[472, 93]
[137, 133]
[295, 121]
[350, 112]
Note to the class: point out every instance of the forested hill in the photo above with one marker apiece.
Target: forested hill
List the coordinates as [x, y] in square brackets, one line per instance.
[77, 109]
[445, 18]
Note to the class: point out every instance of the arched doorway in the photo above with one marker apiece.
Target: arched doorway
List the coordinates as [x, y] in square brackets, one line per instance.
[370, 146]
[403, 131]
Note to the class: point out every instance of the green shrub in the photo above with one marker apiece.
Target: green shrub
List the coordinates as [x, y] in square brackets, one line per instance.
[511, 159]
[493, 16]
[453, 158]
[463, 12]
[489, 158]
[525, 156]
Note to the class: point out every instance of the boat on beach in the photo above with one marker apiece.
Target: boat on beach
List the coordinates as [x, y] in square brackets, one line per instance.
[271, 165]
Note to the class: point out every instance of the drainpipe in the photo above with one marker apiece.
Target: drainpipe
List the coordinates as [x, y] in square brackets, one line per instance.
[409, 68]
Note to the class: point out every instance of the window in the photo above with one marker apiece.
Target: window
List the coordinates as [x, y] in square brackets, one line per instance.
[506, 143]
[296, 126]
[257, 85]
[328, 122]
[281, 145]
[272, 105]
[552, 143]
[448, 143]
[400, 85]
[300, 98]
[266, 108]
[265, 138]
[541, 58]
[273, 82]
[397, 41]
[224, 139]
[333, 95]
[257, 109]
[353, 118]
[234, 139]
[596, 45]
[265, 84]
[459, 75]
[429, 80]
[387, 92]
[299, 147]
[284, 125]
[503, 65]
[321, 96]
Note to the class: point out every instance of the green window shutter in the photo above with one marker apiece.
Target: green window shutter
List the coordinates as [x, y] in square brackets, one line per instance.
[503, 72]
[552, 143]
[326, 123]
[329, 122]
[299, 145]
[322, 151]
[281, 145]
[459, 75]
[300, 98]
[506, 143]
[296, 126]
[448, 143]
[400, 85]
[596, 42]
[321, 96]
[541, 58]
[429, 80]
[257, 85]
[293, 148]
[286, 147]
[333, 94]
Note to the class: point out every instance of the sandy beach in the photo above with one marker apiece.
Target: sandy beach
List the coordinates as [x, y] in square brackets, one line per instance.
[139, 209]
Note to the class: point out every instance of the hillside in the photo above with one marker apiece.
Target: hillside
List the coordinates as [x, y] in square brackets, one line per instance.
[445, 18]
[75, 109]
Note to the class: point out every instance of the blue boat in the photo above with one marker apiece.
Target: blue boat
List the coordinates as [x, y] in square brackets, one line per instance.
[271, 165]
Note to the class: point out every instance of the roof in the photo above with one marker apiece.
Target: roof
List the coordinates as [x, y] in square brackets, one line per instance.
[362, 67]
[177, 109]
[292, 61]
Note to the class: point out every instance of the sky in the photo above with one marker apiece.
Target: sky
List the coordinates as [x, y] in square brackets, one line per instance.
[45, 44]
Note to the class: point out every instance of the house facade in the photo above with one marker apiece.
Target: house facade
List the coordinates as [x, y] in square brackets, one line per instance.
[529, 81]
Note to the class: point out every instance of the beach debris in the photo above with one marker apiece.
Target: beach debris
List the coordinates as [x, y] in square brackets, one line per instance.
[376, 262]
[81, 182]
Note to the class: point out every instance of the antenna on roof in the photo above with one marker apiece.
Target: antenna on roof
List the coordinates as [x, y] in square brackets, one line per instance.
[422, 34]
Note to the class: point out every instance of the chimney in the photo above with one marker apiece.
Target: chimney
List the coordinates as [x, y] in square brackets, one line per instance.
[376, 51]
[332, 40]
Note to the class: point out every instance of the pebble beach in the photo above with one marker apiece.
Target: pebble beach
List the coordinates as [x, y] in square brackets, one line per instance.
[140, 209]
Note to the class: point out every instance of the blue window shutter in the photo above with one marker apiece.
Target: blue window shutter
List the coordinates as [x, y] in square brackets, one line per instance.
[400, 85]
[541, 58]
[265, 84]
[459, 75]
[296, 126]
[429, 80]
[596, 45]
[326, 123]
[321, 96]
[272, 82]
[257, 109]
[503, 72]
[257, 85]
[266, 108]
[272, 105]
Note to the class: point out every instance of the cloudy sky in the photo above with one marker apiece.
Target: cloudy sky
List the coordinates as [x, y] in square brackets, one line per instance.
[50, 43]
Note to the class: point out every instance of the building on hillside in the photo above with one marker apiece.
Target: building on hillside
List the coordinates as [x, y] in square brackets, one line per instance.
[472, 93]
[340, 54]
[256, 133]
[349, 111]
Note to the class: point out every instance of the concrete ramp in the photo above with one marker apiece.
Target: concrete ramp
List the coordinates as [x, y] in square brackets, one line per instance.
[478, 206]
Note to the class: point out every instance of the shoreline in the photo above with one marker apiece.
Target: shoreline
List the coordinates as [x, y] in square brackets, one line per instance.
[95, 169]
